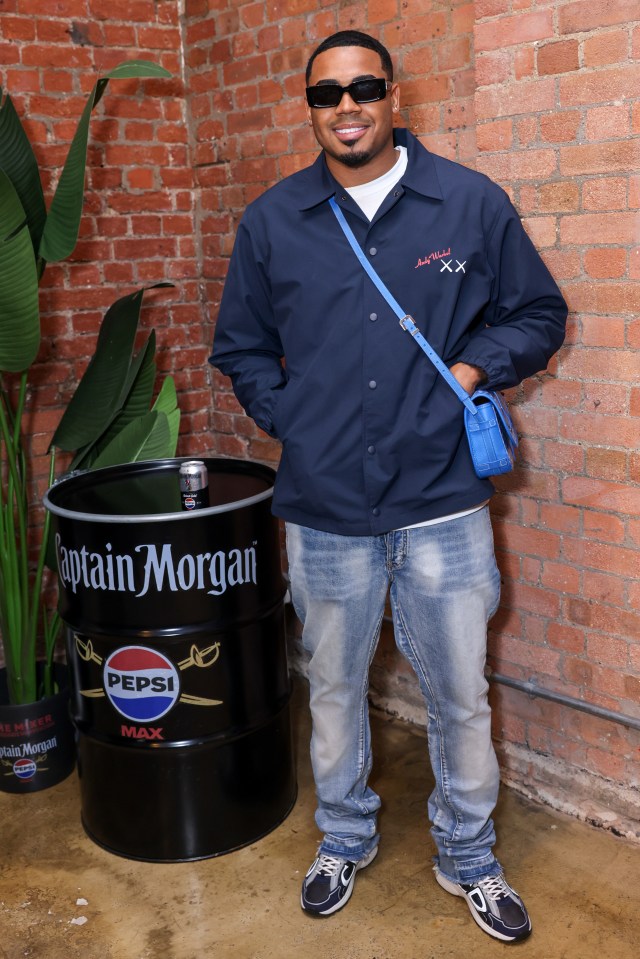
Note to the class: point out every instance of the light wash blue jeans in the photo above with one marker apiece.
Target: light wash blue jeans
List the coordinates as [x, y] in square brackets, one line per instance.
[444, 586]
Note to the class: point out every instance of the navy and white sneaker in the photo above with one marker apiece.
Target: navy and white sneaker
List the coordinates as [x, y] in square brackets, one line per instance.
[329, 882]
[494, 905]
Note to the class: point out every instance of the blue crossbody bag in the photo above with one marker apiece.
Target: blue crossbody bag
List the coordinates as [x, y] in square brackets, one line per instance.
[493, 440]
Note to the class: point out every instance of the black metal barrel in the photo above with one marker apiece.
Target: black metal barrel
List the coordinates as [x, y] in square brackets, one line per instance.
[176, 648]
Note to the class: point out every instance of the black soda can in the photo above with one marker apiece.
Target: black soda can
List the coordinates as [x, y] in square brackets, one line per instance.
[194, 485]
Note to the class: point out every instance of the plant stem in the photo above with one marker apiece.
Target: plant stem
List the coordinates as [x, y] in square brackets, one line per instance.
[14, 560]
[51, 628]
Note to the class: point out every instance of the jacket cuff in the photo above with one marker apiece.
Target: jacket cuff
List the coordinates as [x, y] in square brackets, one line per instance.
[490, 370]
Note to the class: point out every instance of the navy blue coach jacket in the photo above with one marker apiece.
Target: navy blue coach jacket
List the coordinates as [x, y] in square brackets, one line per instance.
[373, 438]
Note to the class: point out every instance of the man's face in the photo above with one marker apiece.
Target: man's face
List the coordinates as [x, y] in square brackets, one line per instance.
[357, 137]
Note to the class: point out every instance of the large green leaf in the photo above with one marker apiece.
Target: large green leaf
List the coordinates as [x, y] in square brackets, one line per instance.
[133, 403]
[63, 222]
[167, 398]
[145, 438]
[137, 68]
[158, 443]
[167, 403]
[19, 313]
[173, 420]
[98, 394]
[111, 383]
[138, 390]
[18, 161]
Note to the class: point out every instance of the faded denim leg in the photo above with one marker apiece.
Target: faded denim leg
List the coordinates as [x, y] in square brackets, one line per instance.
[445, 588]
[338, 588]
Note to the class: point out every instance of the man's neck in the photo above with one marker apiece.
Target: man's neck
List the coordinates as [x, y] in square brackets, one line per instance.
[355, 176]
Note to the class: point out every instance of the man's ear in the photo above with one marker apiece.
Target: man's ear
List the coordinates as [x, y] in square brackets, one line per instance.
[395, 97]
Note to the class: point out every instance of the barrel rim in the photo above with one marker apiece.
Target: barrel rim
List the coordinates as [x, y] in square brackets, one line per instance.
[162, 464]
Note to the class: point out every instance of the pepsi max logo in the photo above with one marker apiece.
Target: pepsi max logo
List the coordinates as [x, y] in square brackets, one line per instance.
[189, 502]
[25, 769]
[141, 683]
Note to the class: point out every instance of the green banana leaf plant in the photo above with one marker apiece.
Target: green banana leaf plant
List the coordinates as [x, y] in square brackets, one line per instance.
[110, 418]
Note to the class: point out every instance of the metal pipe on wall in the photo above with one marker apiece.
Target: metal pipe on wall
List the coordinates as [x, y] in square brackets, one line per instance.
[531, 687]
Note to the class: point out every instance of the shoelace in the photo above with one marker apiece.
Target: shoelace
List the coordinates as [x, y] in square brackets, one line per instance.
[329, 865]
[494, 887]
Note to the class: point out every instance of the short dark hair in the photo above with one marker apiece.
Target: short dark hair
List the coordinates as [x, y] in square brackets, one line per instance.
[353, 38]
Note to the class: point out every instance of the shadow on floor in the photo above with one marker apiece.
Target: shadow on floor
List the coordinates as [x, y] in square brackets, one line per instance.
[62, 897]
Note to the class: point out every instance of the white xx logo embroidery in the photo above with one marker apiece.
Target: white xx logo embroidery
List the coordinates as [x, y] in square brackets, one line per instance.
[446, 265]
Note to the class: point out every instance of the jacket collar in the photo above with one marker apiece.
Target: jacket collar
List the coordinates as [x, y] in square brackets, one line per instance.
[316, 184]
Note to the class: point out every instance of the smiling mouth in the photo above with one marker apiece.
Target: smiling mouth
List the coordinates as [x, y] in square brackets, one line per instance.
[349, 134]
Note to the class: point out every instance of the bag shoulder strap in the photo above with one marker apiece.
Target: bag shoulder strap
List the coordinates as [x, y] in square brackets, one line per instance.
[406, 322]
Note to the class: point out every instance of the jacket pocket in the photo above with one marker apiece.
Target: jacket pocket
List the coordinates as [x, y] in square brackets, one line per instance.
[280, 413]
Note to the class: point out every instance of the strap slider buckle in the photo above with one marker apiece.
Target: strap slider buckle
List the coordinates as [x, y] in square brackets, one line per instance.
[404, 323]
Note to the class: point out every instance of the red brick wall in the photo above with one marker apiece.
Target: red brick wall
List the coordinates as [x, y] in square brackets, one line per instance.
[543, 97]
[138, 227]
[558, 116]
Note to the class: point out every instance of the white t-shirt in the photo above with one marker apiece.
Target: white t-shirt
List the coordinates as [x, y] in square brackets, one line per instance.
[369, 196]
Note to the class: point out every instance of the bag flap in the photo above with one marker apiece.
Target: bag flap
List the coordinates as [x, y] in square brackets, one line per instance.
[497, 403]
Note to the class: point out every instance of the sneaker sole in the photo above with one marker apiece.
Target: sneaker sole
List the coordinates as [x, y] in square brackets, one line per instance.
[362, 864]
[455, 890]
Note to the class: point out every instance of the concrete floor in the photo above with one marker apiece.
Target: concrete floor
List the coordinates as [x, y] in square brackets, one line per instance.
[580, 885]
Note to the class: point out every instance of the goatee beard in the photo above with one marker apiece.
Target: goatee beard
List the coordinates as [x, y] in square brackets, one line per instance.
[354, 159]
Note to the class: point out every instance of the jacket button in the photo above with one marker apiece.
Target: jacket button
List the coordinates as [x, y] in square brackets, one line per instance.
[373, 317]
[372, 384]
[375, 511]
[373, 251]
[371, 449]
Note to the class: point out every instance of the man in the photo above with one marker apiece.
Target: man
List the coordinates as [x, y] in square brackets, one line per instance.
[376, 483]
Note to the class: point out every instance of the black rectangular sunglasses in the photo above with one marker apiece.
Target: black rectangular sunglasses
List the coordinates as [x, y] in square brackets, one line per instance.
[360, 91]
